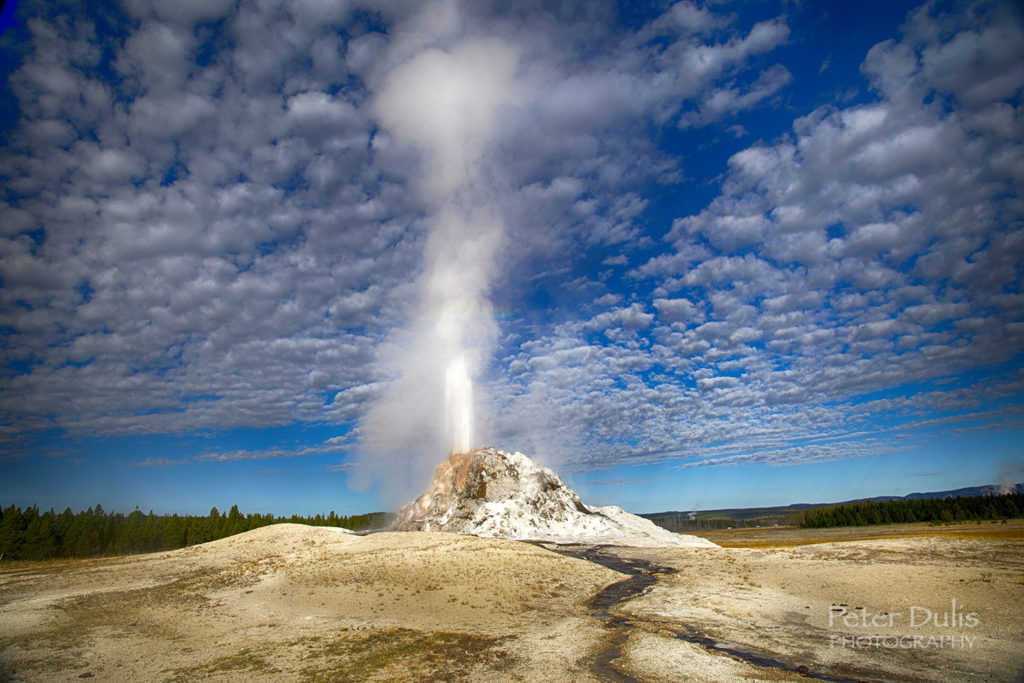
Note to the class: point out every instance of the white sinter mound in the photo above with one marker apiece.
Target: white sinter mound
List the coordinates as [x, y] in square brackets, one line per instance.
[488, 492]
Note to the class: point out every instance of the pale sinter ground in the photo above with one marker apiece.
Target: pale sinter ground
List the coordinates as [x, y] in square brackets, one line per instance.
[849, 610]
[298, 602]
[290, 602]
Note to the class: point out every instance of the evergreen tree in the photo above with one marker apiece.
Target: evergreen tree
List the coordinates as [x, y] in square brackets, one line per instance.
[29, 534]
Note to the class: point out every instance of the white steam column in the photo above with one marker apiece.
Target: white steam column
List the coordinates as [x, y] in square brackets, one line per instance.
[458, 405]
[441, 105]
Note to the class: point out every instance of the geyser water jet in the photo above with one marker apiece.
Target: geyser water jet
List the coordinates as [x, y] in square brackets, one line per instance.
[443, 104]
[458, 404]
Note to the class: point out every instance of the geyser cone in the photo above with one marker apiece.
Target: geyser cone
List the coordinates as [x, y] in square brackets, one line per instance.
[487, 492]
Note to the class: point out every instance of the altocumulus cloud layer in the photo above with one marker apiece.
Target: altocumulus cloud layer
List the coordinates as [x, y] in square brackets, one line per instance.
[224, 214]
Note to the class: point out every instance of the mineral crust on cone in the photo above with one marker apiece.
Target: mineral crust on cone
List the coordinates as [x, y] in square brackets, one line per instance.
[495, 494]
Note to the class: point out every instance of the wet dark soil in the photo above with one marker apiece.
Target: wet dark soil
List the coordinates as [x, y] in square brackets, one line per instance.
[642, 575]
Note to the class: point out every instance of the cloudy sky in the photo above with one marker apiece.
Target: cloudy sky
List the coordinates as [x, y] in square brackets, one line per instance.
[700, 255]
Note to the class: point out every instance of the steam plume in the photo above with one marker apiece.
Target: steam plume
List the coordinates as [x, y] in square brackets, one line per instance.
[458, 403]
[446, 106]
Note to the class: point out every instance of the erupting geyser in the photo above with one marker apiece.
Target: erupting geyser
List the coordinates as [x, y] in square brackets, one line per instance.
[458, 404]
[442, 106]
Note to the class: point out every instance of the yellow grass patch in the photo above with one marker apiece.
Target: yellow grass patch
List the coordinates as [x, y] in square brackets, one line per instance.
[787, 537]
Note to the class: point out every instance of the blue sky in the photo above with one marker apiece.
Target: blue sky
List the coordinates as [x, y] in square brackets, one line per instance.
[691, 256]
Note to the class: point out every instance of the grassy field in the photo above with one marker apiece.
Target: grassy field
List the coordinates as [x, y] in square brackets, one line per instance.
[782, 537]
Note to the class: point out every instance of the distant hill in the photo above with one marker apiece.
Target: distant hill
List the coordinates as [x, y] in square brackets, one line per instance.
[784, 515]
[987, 490]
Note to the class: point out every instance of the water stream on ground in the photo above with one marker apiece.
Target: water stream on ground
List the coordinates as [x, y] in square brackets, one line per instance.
[642, 575]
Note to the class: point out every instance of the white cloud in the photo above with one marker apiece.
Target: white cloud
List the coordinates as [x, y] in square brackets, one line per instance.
[205, 227]
[840, 260]
[318, 116]
[690, 18]
[720, 102]
[677, 310]
[195, 300]
[633, 317]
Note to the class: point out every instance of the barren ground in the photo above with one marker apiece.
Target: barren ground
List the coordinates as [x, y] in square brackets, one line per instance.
[290, 602]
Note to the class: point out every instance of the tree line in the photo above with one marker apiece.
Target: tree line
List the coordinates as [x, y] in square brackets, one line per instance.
[904, 511]
[28, 534]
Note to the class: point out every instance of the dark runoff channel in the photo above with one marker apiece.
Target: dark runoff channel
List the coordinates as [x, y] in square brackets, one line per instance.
[642, 575]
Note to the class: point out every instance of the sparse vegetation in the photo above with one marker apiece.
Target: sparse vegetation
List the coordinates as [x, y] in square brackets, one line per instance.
[243, 662]
[404, 654]
[28, 534]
